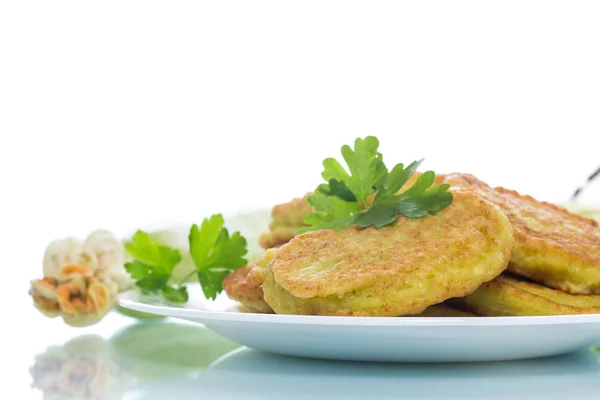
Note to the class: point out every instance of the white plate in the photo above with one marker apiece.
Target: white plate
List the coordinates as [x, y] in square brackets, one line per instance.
[408, 339]
[373, 339]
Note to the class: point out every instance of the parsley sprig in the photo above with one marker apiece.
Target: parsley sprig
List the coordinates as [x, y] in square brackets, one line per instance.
[153, 265]
[346, 198]
[215, 254]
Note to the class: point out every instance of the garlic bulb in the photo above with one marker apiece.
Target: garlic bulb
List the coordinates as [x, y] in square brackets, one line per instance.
[81, 279]
[61, 252]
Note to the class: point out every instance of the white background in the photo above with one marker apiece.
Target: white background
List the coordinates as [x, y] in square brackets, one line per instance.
[118, 114]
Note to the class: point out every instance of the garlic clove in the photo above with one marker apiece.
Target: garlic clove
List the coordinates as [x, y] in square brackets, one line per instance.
[60, 253]
[107, 249]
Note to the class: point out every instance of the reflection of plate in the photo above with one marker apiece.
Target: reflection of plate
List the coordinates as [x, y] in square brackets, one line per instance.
[384, 339]
[248, 374]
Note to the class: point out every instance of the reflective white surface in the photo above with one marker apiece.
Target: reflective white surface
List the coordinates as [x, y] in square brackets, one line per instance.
[248, 374]
[170, 360]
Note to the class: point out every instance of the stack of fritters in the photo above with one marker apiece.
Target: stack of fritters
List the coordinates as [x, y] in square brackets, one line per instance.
[555, 266]
[509, 295]
[458, 256]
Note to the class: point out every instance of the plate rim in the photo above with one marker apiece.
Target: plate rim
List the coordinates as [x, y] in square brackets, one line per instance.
[312, 320]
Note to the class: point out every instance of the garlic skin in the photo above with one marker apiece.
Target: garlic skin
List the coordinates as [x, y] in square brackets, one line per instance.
[61, 252]
[105, 250]
[108, 255]
[81, 279]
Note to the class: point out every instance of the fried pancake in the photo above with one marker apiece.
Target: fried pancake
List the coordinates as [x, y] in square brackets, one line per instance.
[287, 218]
[510, 296]
[237, 288]
[245, 285]
[399, 269]
[256, 276]
[553, 246]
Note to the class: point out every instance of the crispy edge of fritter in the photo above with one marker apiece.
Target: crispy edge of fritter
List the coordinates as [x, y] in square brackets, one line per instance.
[380, 295]
[236, 286]
[256, 276]
[508, 295]
[561, 259]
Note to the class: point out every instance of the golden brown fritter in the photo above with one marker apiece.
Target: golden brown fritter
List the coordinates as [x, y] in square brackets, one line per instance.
[256, 276]
[553, 246]
[245, 285]
[236, 287]
[509, 295]
[443, 310]
[287, 218]
[400, 269]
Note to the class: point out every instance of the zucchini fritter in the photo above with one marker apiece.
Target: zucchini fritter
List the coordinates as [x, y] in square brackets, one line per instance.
[286, 219]
[510, 296]
[245, 285]
[553, 246]
[399, 269]
[237, 288]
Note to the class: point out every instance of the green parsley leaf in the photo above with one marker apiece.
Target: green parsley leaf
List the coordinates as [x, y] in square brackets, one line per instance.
[146, 249]
[366, 167]
[331, 212]
[152, 284]
[342, 201]
[337, 203]
[339, 189]
[153, 264]
[215, 253]
[212, 281]
[139, 270]
[147, 276]
[177, 295]
[420, 200]
[396, 178]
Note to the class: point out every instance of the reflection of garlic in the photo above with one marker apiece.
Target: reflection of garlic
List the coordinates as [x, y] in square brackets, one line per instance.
[81, 280]
[84, 368]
